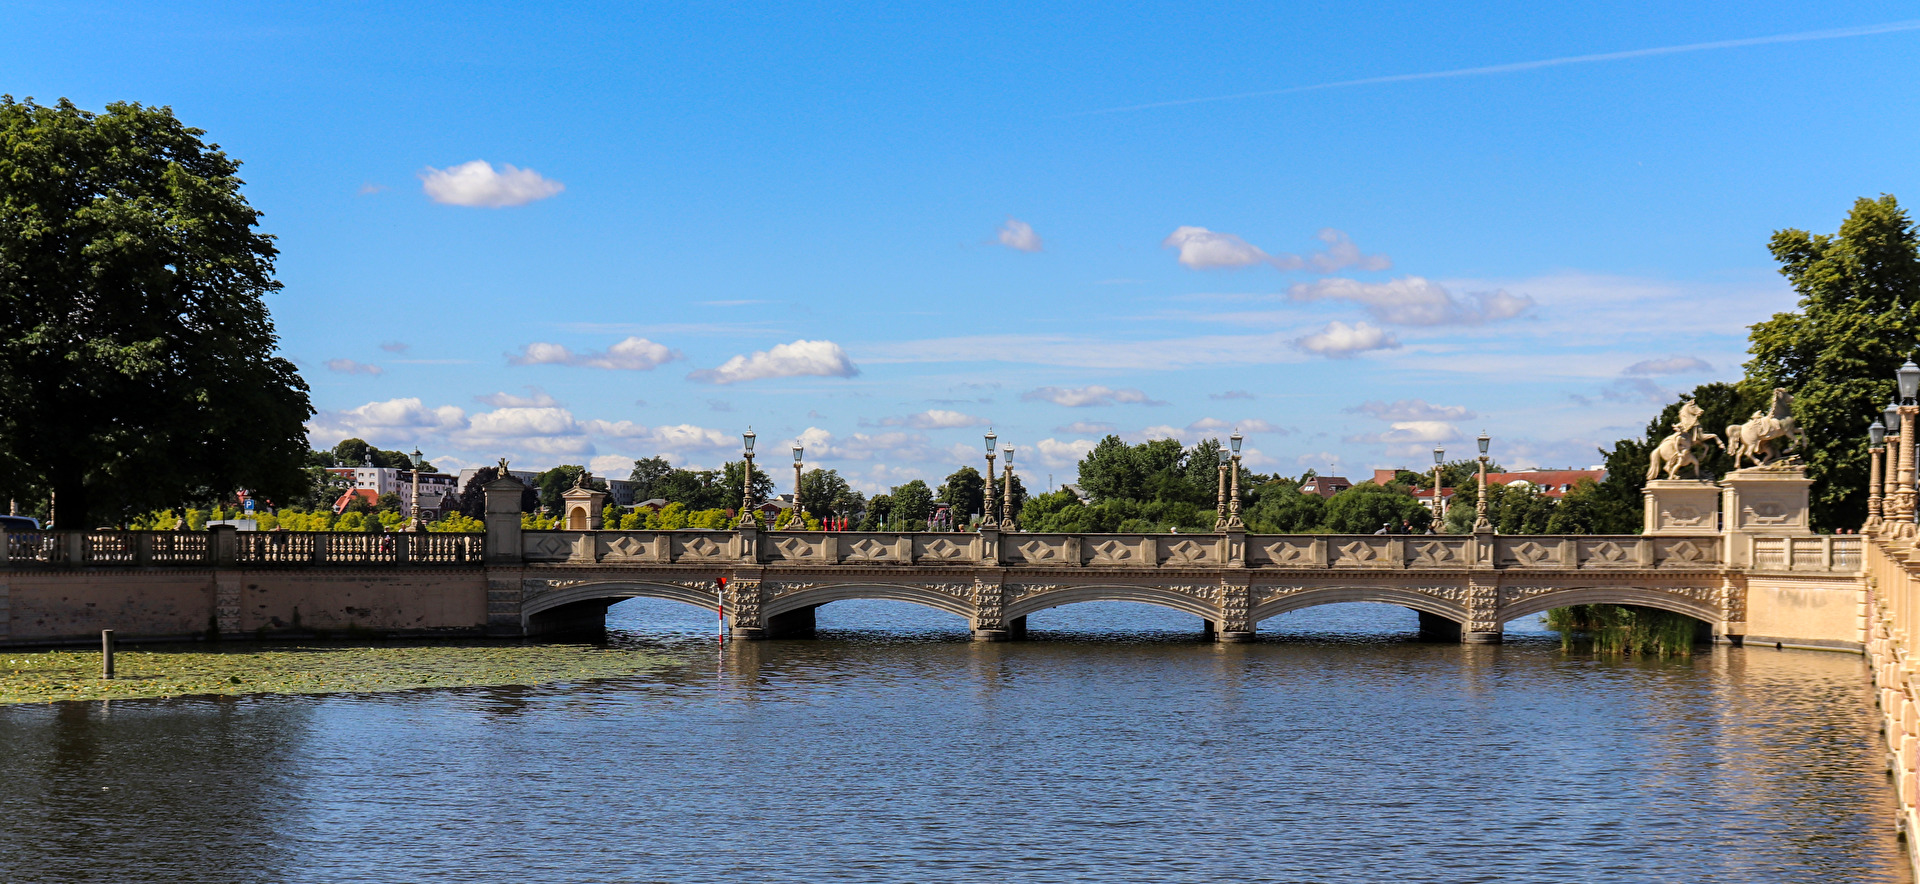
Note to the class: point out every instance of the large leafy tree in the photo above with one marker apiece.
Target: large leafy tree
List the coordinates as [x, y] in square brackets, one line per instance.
[964, 493]
[136, 352]
[824, 493]
[1859, 319]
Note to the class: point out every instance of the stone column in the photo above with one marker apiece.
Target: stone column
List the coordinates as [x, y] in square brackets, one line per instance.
[503, 520]
[743, 609]
[988, 598]
[1875, 456]
[1236, 608]
[1903, 492]
[1483, 625]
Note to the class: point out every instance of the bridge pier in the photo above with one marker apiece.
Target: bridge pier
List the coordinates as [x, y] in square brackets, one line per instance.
[1483, 638]
[1435, 628]
[792, 624]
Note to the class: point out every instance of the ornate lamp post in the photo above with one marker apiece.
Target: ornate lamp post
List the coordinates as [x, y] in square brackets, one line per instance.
[1006, 499]
[1220, 497]
[1876, 449]
[1233, 502]
[987, 518]
[746, 484]
[1439, 499]
[1890, 416]
[1480, 522]
[413, 494]
[799, 453]
[1908, 378]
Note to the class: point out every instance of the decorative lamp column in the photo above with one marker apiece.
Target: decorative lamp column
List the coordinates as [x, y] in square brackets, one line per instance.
[1480, 521]
[1233, 501]
[746, 484]
[1909, 380]
[987, 518]
[799, 454]
[413, 493]
[1220, 496]
[1876, 452]
[1006, 498]
[1439, 499]
[1890, 416]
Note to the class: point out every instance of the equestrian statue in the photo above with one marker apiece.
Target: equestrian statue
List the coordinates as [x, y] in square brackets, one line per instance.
[1675, 452]
[1767, 436]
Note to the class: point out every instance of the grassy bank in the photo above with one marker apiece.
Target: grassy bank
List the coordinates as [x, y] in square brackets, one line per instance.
[302, 668]
[1625, 630]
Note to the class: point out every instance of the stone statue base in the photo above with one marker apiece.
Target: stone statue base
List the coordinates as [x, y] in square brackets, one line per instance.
[1767, 500]
[1681, 508]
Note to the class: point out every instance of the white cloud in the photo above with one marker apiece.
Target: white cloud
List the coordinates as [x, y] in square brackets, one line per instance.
[611, 466]
[1019, 235]
[1082, 397]
[1340, 340]
[1245, 426]
[394, 420]
[1083, 427]
[1412, 410]
[632, 354]
[935, 419]
[1059, 454]
[1318, 459]
[519, 421]
[889, 448]
[394, 347]
[480, 184]
[348, 366]
[1202, 249]
[1411, 300]
[1671, 365]
[688, 437]
[1230, 394]
[536, 398]
[798, 359]
[1341, 253]
[1409, 432]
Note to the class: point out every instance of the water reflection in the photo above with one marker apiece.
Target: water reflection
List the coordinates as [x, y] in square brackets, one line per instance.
[890, 748]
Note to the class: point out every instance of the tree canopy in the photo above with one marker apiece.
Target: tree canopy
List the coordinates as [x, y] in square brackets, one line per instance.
[136, 352]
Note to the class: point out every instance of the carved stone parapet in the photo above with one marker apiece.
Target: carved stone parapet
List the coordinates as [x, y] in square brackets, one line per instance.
[1767, 500]
[1681, 507]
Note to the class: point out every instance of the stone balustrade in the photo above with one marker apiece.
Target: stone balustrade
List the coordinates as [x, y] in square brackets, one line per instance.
[229, 548]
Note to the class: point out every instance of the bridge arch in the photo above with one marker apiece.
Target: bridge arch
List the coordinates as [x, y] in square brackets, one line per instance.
[1149, 595]
[583, 606]
[1334, 595]
[1641, 596]
[911, 593]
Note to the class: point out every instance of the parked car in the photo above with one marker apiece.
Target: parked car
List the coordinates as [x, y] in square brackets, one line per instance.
[19, 524]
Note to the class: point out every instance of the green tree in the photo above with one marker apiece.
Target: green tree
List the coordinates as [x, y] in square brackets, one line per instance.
[137, 360]
[731, 476]
[647, 475]
[1282, 508]
[879, 513]
[1859, 319]
[912, 503]
[557, 481]
[1587, 509]
[1365, 508]
[1513, 509]
[824, 494]
[964, 494]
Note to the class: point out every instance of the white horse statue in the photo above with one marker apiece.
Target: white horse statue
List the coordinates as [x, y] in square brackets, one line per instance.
[1760, 439]
[1675, 452]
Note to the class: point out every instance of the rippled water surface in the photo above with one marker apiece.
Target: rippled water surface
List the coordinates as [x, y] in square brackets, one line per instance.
[1116, 746]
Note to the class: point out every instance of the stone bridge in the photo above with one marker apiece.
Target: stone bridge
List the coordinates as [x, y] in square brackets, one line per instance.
[1469, 585]
[1761, 576]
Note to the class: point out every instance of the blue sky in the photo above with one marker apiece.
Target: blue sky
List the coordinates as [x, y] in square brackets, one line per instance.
[594, 232]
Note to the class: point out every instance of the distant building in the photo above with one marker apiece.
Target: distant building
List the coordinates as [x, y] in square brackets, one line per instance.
[1325, 486]
[1553, 483]
[388, 480]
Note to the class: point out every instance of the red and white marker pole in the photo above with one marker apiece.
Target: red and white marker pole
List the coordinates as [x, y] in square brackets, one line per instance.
[720, 605]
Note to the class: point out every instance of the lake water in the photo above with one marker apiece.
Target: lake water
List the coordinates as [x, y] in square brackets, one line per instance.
[1114, 747]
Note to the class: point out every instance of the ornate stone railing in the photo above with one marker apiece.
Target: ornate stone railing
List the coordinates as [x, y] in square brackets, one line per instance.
[226, 548]
[1107, 551]
[1893, 587]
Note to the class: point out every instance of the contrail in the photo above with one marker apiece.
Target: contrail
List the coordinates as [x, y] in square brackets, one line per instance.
[1805, 36]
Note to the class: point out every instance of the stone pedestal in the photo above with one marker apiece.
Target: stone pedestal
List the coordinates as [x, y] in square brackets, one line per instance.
[1766, 500]
[1681, 508]
[582, 508]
